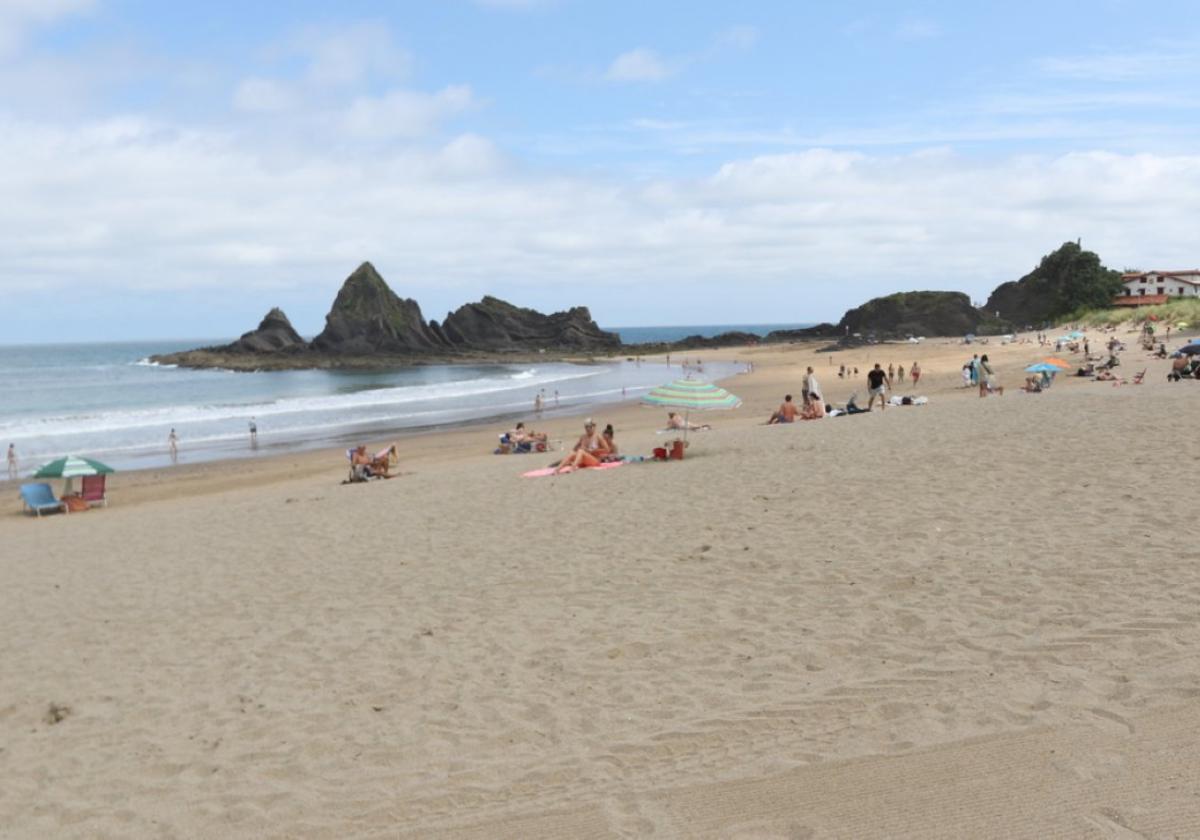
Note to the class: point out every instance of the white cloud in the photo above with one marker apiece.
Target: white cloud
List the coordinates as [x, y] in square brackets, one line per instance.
[350, 54]
[130, 204]
[639, 65]
[17, 17]
[405, 113]
[1118, 66]
[264, 95]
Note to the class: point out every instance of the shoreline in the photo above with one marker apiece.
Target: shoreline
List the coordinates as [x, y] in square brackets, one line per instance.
[778, 369]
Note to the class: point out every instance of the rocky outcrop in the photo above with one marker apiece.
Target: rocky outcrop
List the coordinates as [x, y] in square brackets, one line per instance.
[803, 334]
[912, 313]
[494, 325]
[368, 318]
[274, 334]
[370, 325]
[1066, 280]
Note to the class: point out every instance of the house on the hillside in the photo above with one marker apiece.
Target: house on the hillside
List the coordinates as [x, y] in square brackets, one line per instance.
[1143, 288]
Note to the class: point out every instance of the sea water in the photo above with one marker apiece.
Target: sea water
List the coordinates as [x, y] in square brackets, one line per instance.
[108, 402]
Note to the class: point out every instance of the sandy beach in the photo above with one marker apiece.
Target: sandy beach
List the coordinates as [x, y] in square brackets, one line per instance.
[972, 618]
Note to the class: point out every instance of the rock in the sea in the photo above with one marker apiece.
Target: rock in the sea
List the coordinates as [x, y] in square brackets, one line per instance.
[494, 325]
[274, 334]
[369, 318]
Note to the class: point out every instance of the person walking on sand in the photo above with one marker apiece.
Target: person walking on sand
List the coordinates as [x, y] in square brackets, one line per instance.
[12, 461]
[914, 373]
[891, 372]
[900, 373]
[812, 389]
[877, 387]
[253, 434]
[173, 445]
[987, 378]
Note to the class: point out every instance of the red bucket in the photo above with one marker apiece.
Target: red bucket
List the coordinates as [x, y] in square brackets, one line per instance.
[677, 450]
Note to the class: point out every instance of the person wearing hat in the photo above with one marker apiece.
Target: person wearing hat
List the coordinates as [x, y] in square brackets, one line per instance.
[589, 450]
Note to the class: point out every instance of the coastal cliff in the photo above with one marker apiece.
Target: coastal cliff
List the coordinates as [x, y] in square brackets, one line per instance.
[494, 325]
[368, 318]
[370, 326]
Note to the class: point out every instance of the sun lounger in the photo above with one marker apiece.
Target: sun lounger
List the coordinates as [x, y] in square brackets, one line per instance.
[92, 490]
[39, 497]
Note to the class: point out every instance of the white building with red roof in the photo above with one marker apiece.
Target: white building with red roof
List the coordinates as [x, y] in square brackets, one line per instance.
[1146, 287]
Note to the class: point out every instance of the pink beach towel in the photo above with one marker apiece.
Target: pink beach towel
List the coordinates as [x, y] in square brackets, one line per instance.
[551, 470]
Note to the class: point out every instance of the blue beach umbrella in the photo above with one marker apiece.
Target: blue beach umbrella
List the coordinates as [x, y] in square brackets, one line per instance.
[1041, 367]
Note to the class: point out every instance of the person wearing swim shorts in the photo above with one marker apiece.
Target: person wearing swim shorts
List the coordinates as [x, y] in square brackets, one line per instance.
[877, 382]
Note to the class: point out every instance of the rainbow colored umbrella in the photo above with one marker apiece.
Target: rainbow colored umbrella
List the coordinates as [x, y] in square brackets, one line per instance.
[691, 395]
[1058, 363]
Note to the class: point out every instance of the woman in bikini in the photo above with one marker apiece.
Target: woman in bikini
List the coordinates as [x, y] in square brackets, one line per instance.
[589, 450]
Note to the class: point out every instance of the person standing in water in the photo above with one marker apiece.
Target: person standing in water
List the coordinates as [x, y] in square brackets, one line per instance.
[12, 461]
[537, 404]
[173, 445]
[253, 434]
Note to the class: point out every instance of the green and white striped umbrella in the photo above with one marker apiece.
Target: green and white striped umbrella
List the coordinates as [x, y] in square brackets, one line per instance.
[72, 466]
[691, 395]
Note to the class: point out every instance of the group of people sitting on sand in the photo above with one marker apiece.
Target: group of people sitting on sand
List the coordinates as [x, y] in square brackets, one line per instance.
[591, 450]
[520, 439]
[1184, 367]
[789, 412]
[364, 467]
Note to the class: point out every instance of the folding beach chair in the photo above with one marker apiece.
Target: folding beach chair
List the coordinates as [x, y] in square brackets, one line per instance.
[93, 490]
[39, 497]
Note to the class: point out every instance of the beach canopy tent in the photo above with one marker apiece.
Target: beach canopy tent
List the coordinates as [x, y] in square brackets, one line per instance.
[72, 466]
[691, 395]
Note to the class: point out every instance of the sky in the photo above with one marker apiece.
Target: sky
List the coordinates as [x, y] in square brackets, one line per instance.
[174, 170]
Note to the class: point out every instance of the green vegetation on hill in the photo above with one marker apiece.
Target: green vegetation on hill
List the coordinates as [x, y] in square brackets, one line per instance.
[1182, 310]
[1067, 280]
[912, 313]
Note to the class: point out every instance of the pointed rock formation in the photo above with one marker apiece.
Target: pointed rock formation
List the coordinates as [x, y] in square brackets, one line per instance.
[494, 325]
[274, 333]
[368, 317]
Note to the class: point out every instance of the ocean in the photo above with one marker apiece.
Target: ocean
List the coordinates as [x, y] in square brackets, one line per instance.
[108, 402]
[646, 335]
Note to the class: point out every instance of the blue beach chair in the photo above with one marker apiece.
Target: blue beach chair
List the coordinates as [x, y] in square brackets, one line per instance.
[39, 497]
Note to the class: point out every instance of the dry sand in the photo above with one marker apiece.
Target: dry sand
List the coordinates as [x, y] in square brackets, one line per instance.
[976, 618]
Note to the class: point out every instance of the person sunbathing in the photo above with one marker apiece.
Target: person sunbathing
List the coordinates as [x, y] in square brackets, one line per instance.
[522, 435]
[1106, 375]
[382, 463]
[360, 464]
[786, 413]
[677, 423]
[609, 435]
[590, 450]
